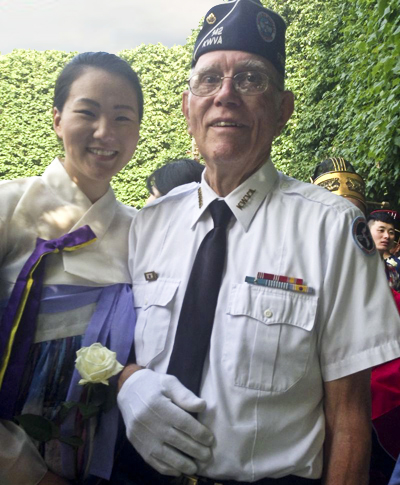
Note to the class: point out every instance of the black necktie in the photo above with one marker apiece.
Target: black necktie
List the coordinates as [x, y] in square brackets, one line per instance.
[198, 308]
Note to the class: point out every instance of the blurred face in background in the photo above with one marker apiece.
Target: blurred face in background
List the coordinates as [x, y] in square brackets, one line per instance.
[154, 195]
[383, 235]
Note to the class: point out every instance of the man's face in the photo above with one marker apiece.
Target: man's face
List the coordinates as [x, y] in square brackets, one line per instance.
[383, 235]
[234, 129]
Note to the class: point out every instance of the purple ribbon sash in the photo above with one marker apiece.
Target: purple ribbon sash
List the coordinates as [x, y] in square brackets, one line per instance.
[113, 325]
[17, 328]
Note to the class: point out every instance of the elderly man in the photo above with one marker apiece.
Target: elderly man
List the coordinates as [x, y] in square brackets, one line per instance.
[275, 390]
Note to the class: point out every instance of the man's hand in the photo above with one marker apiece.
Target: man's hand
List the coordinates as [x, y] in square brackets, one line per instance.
[126, 373]
[348, 430]
[156, 408]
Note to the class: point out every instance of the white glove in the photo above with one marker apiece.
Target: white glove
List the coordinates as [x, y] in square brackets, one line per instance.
[156, 408]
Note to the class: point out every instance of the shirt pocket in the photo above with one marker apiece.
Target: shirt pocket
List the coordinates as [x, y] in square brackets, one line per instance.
[268, 337]
[153, 304]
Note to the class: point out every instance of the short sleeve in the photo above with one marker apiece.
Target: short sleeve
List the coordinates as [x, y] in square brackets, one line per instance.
[359, 326]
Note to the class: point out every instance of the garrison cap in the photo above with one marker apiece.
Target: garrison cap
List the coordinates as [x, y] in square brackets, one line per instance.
[338, 176]
[243, 25]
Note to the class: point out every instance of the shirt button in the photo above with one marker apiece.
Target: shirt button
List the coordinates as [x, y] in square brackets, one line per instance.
[146, 302]
[268, 313]
[284, 186]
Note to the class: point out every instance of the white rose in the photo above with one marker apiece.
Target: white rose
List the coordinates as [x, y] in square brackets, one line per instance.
[96, 364]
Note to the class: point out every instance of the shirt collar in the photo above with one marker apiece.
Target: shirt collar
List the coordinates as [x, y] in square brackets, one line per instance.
[59, 181]
[245, 200]
[98, 215]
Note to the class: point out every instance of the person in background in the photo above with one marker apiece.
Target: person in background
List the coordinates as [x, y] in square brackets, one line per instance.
[339, 177]
[396, 250]
[171, 175]
[65, 237]
[253, 337]
[385, 383]
[383, 224]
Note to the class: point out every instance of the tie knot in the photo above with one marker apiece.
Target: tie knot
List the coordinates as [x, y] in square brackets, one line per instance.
[220, 212]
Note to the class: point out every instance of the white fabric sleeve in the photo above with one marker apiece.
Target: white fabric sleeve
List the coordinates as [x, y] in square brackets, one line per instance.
[3, 239]
[132, 245]
[359, 322]
[20, 461]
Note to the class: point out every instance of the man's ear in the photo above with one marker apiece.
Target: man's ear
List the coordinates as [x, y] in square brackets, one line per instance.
[57, 122]
[185, 109]
[286, 108]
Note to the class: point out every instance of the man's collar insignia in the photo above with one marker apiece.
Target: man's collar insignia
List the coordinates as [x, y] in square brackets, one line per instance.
[200, 195]
[245, 199]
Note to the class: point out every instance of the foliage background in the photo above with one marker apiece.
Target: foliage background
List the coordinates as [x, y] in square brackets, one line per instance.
[343, 64]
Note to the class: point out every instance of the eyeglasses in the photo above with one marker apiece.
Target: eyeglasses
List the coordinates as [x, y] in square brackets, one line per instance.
[249, 83]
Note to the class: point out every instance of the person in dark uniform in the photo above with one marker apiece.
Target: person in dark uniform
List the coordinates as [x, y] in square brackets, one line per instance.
[383, 224]
[338, 176]
[385, 383]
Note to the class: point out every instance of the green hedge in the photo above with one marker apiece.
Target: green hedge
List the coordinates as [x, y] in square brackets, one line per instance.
[29, 143]
[343, 66]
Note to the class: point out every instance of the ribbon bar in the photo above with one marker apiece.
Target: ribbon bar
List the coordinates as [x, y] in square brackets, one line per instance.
[279, 284]
[283, 279]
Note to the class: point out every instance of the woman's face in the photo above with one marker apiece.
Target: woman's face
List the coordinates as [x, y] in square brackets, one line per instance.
[99, 127]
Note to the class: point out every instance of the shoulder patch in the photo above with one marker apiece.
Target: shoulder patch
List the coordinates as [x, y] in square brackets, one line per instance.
[362, 236]
[266, 26]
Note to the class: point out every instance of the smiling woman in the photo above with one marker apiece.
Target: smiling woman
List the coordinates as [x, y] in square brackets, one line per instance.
[64, 240]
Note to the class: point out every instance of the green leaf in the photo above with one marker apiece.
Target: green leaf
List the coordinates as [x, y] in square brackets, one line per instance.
[65, 409]
[382, 6]
[88, 410]
[73, 441]
[38, 427]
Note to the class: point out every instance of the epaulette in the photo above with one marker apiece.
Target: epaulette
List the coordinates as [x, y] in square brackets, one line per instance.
[313, 193]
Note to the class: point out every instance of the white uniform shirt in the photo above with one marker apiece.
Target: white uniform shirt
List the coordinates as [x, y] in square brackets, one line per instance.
[271, 349]
[48, 207]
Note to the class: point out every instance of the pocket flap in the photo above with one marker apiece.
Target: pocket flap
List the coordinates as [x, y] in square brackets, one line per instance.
[159, 292]
[272, 306]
